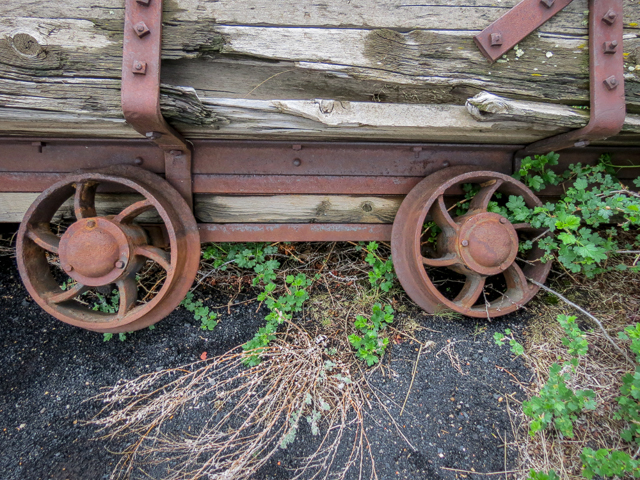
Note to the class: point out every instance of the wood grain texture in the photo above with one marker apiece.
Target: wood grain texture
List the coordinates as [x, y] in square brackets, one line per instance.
[486, 107]
[60, 63]
[235, 209]
[296, 209]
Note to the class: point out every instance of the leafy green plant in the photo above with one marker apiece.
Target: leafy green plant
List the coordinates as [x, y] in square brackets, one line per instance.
[594, 198]
[281, 309]
[608, 463]
[121, 336]
[534, 172]
[551, 475]
[382, 274]
[500, 338]
[557, 404]
[253, 256]
[629, 400]
[200, 312]
[107, 305]
[370, 345]
[575, 340]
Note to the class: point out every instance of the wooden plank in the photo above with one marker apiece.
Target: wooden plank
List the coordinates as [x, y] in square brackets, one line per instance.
[295, 209]
[60, 62]
[293, 232]
[14, 205]
[235, 209]
[493, 108]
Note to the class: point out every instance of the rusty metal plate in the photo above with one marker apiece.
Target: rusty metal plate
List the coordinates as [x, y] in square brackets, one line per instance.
[500, 37]
[324, 158]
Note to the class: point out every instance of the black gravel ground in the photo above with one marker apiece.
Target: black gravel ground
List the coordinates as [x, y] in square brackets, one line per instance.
[454, 422]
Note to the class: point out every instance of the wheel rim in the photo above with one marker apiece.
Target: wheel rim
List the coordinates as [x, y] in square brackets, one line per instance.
[100, 251]
[478, 245]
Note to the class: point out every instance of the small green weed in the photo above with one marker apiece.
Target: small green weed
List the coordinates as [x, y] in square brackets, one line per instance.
[369, 346]
[107, 305]
[382, 274]
[557, 404]
[608, 463]
[121, 336]
[552, 475]
[200, 312]
[500, 338]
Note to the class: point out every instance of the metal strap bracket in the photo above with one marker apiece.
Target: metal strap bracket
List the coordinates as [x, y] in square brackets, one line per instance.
[606, 65]
[140, 94]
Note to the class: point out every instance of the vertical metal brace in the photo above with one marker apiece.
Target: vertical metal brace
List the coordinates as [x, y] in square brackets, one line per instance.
[606, 65]
[140, 93]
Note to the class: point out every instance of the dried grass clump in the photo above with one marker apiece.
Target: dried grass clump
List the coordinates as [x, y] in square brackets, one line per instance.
[253, 412]
[614, 299]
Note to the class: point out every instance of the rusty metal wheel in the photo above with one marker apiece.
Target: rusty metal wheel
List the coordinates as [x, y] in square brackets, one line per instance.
[478, 249]
[104, 252]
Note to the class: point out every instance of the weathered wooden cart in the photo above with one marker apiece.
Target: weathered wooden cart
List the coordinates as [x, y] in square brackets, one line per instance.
[297, 121]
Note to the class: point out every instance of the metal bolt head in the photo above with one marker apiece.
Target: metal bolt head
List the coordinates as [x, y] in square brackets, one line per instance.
[141, 29]
[119, 264]
[465, 243]
[68, 268]
[611, 82]
[610, 47]
[138, 161]
[503, 220]
[144, 3]
[445, 164]
[139, 68]
[153, 135]
[297, 162]
[609, 17]
[91, 224]
[496, 39]
[548, 3]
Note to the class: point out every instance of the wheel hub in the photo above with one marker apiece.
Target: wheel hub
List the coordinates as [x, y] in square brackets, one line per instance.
[94, 251]
[487, 243]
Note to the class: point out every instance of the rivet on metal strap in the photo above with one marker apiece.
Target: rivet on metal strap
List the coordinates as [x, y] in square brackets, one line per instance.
[609, 17]
[139, 68]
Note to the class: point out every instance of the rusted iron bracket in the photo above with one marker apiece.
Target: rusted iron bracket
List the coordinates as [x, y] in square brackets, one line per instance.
[606, 65]
[140, 95]
[500, 37]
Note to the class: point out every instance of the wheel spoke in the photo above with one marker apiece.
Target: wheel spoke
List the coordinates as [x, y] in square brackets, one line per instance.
[68, 294]
[132, 211]
[470, 292]
[84, 201]
[445, 261]
[44, 238]
[480, 201]
[517, 285]
[128, 295]
[441, 217]
[156, 254]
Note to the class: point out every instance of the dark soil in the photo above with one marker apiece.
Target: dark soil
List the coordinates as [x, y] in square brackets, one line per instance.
[452, 420]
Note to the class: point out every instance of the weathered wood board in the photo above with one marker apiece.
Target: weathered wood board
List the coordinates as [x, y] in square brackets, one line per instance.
[384, 69]
[234, 209]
